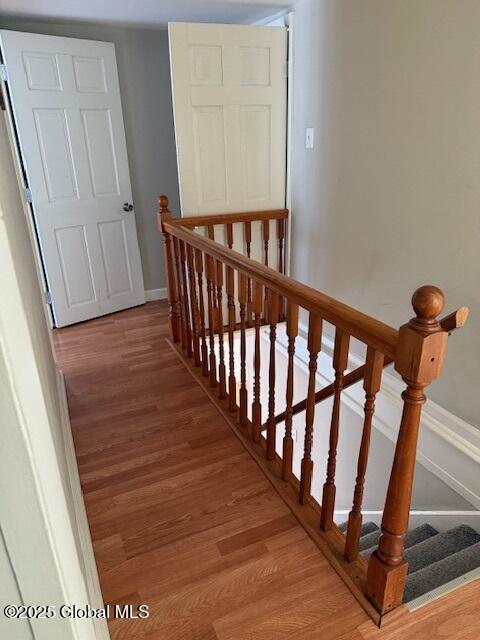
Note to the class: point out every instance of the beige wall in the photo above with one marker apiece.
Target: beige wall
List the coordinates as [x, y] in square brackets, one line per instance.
[389, 199]
[144, 74]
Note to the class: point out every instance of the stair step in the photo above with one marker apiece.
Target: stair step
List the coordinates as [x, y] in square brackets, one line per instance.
[367, 528]
[442, 572]
[440, 546]
[413, 537]
[369, 541]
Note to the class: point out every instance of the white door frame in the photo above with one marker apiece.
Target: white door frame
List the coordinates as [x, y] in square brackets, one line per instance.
[289, 22]
[23, 183]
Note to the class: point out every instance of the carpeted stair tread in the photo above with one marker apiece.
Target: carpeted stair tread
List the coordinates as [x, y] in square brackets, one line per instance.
[367, 528]
[442, 571]
[413, 537]
[440, 546]
[370, 540]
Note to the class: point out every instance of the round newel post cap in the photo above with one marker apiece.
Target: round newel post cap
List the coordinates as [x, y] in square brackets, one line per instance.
[428, 302]
[163, 203]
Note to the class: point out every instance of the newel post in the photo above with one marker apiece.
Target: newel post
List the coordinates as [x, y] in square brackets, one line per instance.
[419, 360]
[164, 215]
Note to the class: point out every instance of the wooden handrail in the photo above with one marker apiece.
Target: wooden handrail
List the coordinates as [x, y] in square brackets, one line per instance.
[230, 218]
[262, 295]
[357, 324]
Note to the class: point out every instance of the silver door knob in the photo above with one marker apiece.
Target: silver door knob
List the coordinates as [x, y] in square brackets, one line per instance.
[127, 207]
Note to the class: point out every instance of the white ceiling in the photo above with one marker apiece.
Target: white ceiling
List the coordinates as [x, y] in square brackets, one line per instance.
[150, 13]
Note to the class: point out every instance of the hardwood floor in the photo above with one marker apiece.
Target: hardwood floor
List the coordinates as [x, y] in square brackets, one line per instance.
[183, 520]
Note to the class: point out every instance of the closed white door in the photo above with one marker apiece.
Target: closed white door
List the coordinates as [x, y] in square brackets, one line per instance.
[68, 114]
[229, 87]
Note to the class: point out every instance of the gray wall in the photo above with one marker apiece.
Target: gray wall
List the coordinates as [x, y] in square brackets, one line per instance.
[389, 199]
[144, 72]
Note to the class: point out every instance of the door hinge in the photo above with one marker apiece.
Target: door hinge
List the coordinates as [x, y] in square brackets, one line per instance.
[3, 72]
[48, 297]
[28, 194]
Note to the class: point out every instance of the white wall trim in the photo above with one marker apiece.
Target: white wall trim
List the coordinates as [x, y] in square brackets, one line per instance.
[448, 446]
[155, 294]
[91, 574]
[265, 22]
[290, 24]
[442, 520]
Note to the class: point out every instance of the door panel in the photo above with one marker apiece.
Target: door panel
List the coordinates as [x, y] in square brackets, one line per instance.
[56, 152]
[97, 127]
[113, 242]
[77, 268]
[255, 126]
[229, 90]
[89, 74]
[67, 109]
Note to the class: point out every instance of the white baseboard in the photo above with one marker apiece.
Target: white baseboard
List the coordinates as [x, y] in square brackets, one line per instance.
[155, 294]
[88, 559]
[441, 520]
[448, 446]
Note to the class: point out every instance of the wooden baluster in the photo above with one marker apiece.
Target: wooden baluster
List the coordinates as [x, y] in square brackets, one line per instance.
[193, 307]
[314, 345]
[272, 299]
[247, 229]
[211, 236]
[211, 319]
[256, 405]
[281, 241]
[229, 235]
[183, 327]
[371, 384]
[419, 360]
[266, 238]
[232, 385]
[165, 215]
[222, 391]
[201, 305]
[242, 299]
[281, 265]
[340, 362]
[247, 232]
[186, 299]
[292, 332]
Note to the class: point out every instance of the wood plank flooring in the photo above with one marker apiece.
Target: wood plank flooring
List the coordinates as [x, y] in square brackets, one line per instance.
[183, 520]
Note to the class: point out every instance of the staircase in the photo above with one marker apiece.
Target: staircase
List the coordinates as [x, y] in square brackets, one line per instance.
[215, 295]
[434, 559]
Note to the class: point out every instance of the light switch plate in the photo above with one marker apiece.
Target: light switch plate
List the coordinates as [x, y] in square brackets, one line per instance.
[309, 137]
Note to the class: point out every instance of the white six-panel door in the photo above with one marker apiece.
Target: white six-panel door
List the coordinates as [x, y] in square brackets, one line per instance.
[67, 109]
[229, 87]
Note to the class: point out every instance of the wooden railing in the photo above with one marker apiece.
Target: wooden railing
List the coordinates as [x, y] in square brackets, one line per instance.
[417, 350]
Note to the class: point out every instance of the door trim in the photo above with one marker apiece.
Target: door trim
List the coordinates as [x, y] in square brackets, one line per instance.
[23, 185]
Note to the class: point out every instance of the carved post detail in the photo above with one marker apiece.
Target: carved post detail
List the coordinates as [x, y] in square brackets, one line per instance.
[256, 405]
[292, 332]
[419, 360]
[340, 363]
[164, 215]
[242, 299]
[272, 298]
[314, 346]
[371, 384]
